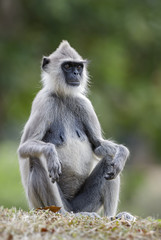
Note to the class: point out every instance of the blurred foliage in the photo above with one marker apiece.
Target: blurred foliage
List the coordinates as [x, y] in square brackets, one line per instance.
[121, 38]
[123, 41]
[11, 191]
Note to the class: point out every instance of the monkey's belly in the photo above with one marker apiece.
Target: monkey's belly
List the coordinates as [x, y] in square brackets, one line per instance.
[77, 161]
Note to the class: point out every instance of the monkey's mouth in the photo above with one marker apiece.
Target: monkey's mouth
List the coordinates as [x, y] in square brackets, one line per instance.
[71, 83]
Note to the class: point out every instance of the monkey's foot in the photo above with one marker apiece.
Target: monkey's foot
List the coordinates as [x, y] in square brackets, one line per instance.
[126, 216]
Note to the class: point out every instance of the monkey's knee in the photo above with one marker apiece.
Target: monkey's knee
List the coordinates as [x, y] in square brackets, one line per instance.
[106, 148]
[123, 151]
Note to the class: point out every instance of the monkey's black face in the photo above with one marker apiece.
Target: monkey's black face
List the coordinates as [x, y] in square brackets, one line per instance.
[72, 72]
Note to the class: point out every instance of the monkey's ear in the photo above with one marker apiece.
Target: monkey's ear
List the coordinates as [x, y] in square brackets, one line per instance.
[45, 62]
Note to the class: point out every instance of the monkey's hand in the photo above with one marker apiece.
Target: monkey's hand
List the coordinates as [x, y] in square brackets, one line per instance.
[114, 167]
[106, 148]
[53, 163]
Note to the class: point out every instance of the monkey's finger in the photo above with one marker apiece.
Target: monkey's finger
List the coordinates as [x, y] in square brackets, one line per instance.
[59, 171]
[56, 179]
[113, 164]
[53, 180]
[109, 176]
[56, 175]
[52, 173]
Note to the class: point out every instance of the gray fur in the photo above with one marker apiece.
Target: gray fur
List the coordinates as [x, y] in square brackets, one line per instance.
[61, 144]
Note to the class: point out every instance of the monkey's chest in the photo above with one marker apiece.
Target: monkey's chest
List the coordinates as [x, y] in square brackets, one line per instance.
[74, 152]
[60, 134]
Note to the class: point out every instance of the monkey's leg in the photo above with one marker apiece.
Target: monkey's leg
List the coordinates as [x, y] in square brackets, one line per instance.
[98, 191]
[41, 191]
[111, 196]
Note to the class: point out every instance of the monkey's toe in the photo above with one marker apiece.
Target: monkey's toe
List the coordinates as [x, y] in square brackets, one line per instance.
[125, 215]
[109, 176]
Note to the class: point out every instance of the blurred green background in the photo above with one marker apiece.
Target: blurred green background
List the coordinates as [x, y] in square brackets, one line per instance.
[123, 41]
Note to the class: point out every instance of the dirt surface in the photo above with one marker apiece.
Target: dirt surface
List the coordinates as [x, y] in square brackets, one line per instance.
[44, 224]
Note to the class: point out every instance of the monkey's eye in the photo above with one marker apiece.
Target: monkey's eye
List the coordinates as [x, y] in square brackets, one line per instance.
[67, 66]
[79, 67]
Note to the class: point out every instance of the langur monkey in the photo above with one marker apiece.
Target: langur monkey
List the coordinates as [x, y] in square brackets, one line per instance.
[64, 160]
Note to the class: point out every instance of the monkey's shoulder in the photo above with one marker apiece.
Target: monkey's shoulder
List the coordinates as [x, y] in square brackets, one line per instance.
[43, 101]
[46, 99]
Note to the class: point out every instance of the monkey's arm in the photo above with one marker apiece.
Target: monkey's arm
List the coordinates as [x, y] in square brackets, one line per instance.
[31, 144]
[117, 154]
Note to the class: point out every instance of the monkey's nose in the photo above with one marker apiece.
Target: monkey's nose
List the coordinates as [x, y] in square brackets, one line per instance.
[76, 72]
